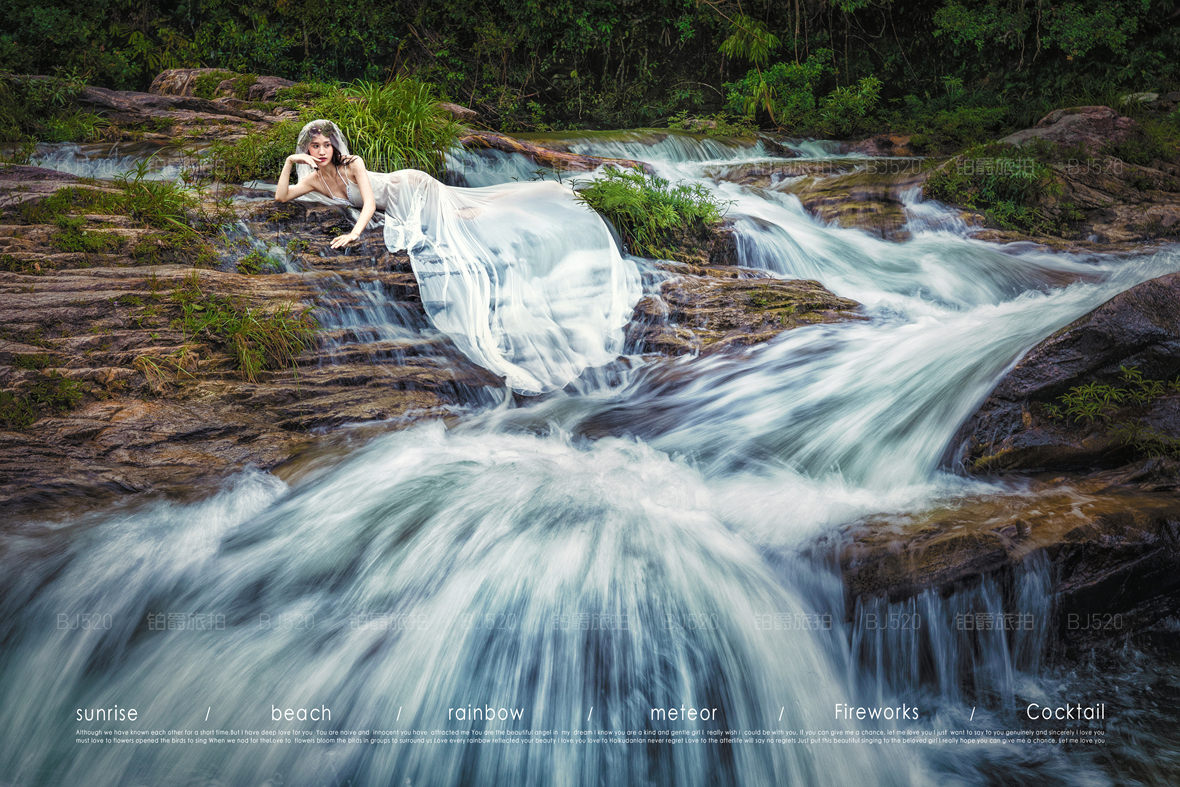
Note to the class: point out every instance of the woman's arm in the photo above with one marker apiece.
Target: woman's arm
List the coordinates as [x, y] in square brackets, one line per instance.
[357, 167]
[285, 193]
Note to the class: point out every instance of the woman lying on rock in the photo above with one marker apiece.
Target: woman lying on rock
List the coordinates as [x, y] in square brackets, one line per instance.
[526, 280]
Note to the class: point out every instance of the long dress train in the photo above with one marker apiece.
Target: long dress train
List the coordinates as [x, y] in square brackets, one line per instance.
[527, 281]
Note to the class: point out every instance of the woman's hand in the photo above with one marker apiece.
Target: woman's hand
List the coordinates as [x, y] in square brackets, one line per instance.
[303, 158]
[340, 241]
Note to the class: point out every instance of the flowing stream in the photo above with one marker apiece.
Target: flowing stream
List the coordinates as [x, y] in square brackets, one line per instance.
[636, 542]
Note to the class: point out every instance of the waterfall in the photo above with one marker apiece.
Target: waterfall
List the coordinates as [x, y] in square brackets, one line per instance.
[582, 561]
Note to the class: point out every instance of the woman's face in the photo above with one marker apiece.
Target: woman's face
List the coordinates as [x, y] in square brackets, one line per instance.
[320, 149]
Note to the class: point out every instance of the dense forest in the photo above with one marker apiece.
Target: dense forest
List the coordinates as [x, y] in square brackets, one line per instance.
[956, 68]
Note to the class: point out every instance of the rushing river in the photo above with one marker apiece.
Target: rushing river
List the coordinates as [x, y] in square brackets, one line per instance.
[634, 543]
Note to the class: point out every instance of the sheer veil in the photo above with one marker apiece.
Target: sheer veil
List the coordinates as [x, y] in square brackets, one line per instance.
[329, 130]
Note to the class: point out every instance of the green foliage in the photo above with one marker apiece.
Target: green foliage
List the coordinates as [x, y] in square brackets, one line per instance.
[1008, 183]
[256, 156]
[578, 63]
[851, 109]
[1152, 141]
[205, 85]
[1075, 28]
[1145, 439]
[15, 265]
[1099, 402]
[716, 125]
[70, 237]
[163, 204]
[787, 91]
[1107, 404]
[790, 95]
[69, 200]
[648, 211]
[749, 40]
[302, 93]
[256, 262]
[257, 340]
[43, 110]
[47, 394]
[396, 125]
[36, 361]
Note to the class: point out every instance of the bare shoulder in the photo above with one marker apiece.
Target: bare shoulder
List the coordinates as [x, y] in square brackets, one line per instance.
[355, 164]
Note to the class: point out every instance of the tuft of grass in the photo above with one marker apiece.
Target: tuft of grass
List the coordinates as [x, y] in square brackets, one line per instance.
[36, 361]
[257, 340]
[163, 204]
[256, 262]
[14, 265]
[393, 125]
[256, 156]
[1011, 185]
[170, 209]
[648, 211]
[71, 199]
[1152, 141]
[176, 367]
[70, 237]
[49, 394]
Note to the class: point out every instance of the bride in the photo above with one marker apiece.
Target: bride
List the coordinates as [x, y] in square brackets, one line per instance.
[526, 280]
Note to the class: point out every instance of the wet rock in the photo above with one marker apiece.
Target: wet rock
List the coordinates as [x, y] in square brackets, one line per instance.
[706, 309]
[852, 193]
[1112, 550]
[161, 409]
[1016, 429]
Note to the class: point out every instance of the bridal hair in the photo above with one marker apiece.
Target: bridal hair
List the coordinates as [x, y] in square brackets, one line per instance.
[328, 129]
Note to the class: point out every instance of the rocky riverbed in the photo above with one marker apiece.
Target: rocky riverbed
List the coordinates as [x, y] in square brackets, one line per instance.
[107, 394]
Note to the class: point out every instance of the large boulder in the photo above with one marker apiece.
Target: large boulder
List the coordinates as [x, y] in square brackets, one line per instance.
[1092, 127]
[1025, 425]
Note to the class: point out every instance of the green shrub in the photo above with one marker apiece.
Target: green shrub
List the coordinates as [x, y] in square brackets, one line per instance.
[953, 129]
[396, 125]
[786, 90]
[648, 211]
[43, 110]
[257, 156]
[851, 109]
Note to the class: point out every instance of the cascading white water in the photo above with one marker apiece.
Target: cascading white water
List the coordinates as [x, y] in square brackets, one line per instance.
[584, 558]
[110, 161]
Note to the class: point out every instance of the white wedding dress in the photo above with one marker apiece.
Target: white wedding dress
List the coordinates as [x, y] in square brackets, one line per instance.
[527, 281]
